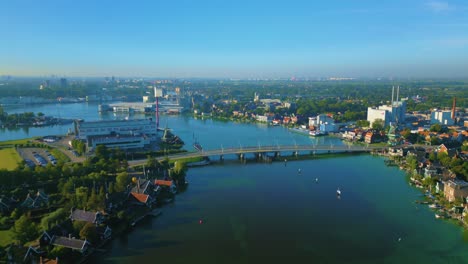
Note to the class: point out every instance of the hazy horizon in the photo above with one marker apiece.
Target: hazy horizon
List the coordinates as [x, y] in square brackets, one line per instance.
[257, 40]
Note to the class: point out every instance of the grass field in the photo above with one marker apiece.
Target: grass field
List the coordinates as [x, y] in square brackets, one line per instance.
[9, 158]
[6, 237]
[13, 142]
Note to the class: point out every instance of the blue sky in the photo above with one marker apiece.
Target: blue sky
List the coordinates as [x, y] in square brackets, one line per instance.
[238, 39]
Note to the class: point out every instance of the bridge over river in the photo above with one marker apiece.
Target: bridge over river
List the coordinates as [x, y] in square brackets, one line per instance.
[261, 150]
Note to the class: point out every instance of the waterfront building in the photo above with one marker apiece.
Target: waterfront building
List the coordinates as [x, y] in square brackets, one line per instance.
[392, 113]
[442, 118]
[143, 193]
[136, 107]
[430, 172]
[454, 189]
[267, 118]
[323, 123]
[123, 134]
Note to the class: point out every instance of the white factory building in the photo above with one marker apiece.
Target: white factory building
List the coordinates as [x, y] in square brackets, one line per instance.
[393, 113]
[123, 134]
[323, 123]
[442, 117]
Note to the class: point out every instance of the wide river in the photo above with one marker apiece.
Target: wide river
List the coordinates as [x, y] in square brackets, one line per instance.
[271, 213]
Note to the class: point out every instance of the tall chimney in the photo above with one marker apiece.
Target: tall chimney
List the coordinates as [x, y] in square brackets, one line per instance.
[397, 93]
[453, 107]
[393, 91]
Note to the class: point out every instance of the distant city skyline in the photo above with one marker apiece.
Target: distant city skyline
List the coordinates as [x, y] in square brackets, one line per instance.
[242, 39]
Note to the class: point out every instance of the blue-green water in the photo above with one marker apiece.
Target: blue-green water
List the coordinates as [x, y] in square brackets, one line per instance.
[268, 213]
[263, 213]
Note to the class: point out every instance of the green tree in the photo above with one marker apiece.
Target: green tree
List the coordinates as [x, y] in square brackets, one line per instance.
[433, 156]
[121, 181]
[434, 141]
[53, 219]
[111, 188]
[81, 196]
[92, 201]
[24, 230]
[378, 124]
[412, 162]
[362, 123]
[59, 252]
[89, 233]
[435, 128]
[102, 152]
[178, 172]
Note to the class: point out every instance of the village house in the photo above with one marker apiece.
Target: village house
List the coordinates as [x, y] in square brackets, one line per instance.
[62, 229]
[167, 184]
[104, 233]
[449, 151]
[396, 152]
[36, 201]
[36, 255]
[372, 137]
[143, 193]
[454, 189]
[82, 246]
[430, 172]
[6, 205]
[96, 218]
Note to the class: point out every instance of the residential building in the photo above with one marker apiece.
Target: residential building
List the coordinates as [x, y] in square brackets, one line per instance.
[87, 216]
[454, 189]
[430, 172]
[82, 246]
[36, 201]
[143, 193]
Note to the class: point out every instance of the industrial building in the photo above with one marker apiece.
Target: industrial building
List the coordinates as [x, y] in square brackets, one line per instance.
[323, 123]
[123, 134]
[389, 114]
[442, 117]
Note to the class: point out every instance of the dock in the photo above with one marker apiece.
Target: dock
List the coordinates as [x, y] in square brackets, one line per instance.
[153, 213]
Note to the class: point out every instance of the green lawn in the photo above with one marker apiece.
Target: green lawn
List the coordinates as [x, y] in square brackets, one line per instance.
[9, 158]
[6, 237]
[13, 142]
[59, 155]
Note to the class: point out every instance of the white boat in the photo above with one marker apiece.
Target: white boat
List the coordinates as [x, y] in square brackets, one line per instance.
[338, 192]
[316, 133]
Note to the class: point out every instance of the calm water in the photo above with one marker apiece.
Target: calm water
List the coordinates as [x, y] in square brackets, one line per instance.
[268, 213]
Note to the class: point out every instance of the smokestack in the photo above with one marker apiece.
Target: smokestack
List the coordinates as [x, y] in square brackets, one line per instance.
[397, 93]
[393, 91]
[453, 107]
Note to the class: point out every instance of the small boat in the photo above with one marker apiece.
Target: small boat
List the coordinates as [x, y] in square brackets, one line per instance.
[317, 133]
[316, 180]
[338, 192]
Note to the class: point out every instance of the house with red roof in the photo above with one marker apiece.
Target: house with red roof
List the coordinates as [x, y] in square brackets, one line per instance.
[143, 193]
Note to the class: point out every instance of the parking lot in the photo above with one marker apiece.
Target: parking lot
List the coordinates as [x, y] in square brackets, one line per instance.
[37, 156]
